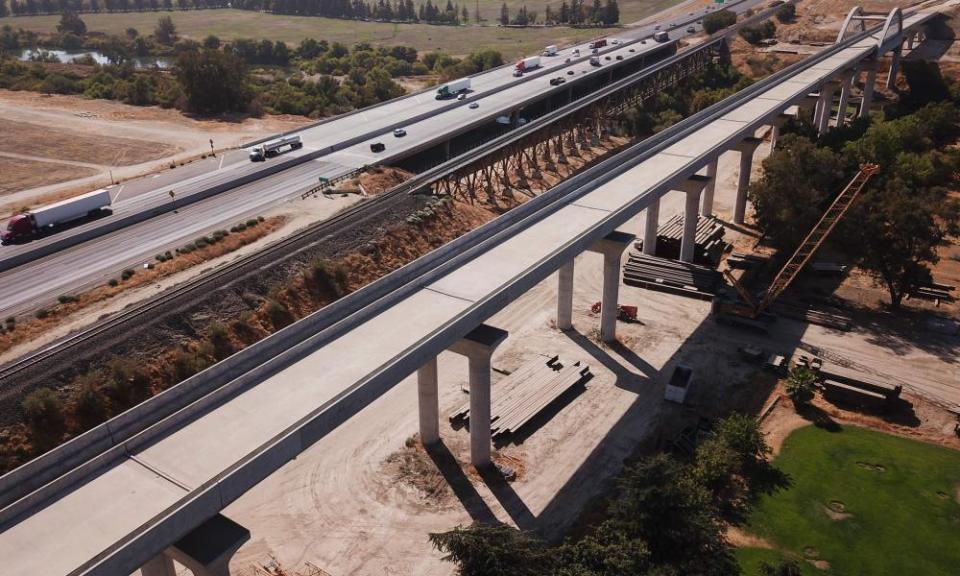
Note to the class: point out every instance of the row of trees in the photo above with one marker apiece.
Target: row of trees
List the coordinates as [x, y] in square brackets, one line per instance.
[895, 227]
[574, 13]
[668, 517]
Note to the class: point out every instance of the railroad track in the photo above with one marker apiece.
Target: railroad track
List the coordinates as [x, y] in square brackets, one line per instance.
[12, 375]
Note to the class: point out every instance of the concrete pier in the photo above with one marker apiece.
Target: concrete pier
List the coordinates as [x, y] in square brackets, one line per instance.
[650, 228]
[693, 187]
[706, 207]
[746, 148]
[846, 87]
[160, 565]
[565, 296]
[428, 402]
[612, 247]
[825, 107]
[478, 346]
[894, 68]
[868, 86]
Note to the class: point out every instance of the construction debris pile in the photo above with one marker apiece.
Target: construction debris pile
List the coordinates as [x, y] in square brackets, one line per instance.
[663, 275]
[708, 239]
[526, 392]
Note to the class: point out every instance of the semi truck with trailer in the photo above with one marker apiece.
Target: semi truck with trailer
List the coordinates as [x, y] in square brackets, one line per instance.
[526, 65]
[597, 44]
[273, 147]
[37, 221]
[451, 89]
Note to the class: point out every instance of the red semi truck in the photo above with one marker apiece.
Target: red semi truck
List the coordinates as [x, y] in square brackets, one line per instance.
[598, 44]
[38, 220]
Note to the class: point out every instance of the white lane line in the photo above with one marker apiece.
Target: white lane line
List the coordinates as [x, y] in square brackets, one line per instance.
[222, 158]
[119, 191]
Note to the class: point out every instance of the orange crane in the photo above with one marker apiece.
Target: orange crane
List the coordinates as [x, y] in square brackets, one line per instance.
[750, 308]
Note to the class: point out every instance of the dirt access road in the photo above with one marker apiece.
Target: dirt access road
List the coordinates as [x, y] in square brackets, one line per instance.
[55, 146]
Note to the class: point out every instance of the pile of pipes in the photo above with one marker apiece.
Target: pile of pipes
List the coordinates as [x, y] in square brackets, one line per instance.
[708, 239]
[528, 391]
[665, 275]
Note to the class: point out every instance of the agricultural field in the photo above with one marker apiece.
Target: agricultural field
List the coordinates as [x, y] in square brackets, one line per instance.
[861, 502]
[231, 24]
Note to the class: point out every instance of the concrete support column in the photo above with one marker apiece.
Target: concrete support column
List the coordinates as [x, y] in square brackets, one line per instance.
[746, 148]
[845, 88]
[565, 296]
[612, 247]
[910, 39]
[159, 565]
[706, 207]
[650, 228]
[807, 109]
[868, 87]
[478, 346]
[207, 549]
[428, 401]
[690, 218]
[894, 68]
[825, 107]
[775, 127]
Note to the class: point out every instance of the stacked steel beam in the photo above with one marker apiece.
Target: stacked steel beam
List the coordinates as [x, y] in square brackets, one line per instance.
[708, 239]
[527, 392]
[671, 276]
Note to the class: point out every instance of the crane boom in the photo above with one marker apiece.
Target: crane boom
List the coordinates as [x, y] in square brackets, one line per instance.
[807, 248]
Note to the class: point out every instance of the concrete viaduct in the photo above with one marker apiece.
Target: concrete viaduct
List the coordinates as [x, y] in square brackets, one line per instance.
[150, 495]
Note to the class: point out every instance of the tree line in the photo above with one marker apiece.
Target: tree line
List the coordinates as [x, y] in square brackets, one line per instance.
[574, 13]
[893, 230]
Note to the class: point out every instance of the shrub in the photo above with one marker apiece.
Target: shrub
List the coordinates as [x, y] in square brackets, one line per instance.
[329, 278]
[42, 313]
[220, 340]
[127, 274]
[43, 415]
[278, 314]
[113, 282]
[758, 33]
[718, 21]
[129, 383]
[66, 299]
[252, 222]
[90, 405]
[800, 385]
[787, 13]
[244, 330]
[260, 218]
[200, 243]
[11, 320]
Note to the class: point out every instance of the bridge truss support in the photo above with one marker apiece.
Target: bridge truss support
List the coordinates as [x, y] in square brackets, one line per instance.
[511, 168]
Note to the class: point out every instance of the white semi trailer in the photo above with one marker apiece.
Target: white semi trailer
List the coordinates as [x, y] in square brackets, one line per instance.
[453, 88]
[273, 147]
[44, 218]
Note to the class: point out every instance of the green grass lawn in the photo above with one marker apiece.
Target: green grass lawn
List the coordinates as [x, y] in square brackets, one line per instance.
[751, 559]
[900, 497]
[231, 24]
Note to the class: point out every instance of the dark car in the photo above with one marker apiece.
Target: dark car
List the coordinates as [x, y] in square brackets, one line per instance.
[377, 147]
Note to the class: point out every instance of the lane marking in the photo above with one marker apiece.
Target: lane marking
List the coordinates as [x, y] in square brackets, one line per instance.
[119, 191]
[222, 158]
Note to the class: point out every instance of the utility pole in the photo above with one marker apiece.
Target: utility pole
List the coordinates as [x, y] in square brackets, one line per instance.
[212, 151]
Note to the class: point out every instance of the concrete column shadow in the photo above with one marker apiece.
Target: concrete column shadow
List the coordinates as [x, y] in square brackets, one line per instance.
[625, 379]
[508, 498]
[458, 481]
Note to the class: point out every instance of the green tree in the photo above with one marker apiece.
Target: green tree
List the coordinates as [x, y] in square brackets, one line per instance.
[504, 14]
[165, 31]
[789, 198]
[716, 21]
[213, 81]
[43, 414]
[800, 385]
[759, 33]
[90, 404]
[71, 23]
[500, 550]
[211, 42]
[785, 568]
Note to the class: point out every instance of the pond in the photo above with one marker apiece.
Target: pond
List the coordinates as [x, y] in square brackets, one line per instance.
[63, 56]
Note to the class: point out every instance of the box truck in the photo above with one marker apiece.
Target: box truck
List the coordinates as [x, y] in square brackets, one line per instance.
[39, 220]
[550, 50]
[453, 88]
[527, 64]
[661, 36]
[272, 148]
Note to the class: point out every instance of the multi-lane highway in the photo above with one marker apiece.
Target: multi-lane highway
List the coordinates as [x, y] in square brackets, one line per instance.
[331, 148]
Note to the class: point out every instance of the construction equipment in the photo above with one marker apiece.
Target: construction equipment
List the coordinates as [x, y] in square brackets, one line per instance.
[750, 310]
[625, 313]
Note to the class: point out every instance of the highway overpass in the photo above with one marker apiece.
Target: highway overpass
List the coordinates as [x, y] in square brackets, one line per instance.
[124, 495]
[143, 224]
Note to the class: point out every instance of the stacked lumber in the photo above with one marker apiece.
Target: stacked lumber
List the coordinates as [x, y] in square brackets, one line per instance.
[665, 275]
[744, 261]
[708, 239]
[841, 384]
[527, 392]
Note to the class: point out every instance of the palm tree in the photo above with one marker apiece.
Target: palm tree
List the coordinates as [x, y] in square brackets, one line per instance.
[800, 385]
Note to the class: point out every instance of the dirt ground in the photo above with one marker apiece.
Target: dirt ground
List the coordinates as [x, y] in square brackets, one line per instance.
[80, 141]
